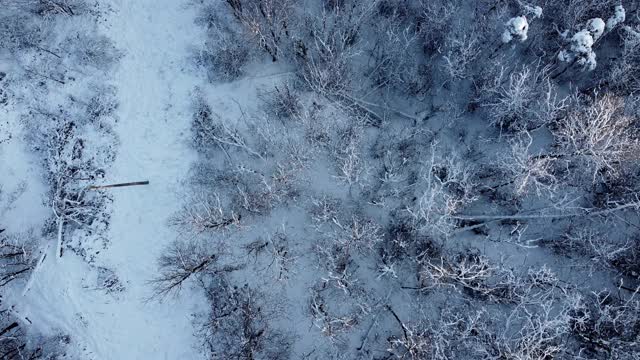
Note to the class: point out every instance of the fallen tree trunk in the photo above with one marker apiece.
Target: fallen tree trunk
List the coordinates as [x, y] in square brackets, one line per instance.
[135, 183]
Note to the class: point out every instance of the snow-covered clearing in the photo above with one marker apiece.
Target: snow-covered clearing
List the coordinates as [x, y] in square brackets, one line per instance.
[154, 88]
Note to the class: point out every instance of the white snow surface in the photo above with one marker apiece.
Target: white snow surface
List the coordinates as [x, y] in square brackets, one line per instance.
[516, 27]
[618, 17]
[154, 85]
[595, 27]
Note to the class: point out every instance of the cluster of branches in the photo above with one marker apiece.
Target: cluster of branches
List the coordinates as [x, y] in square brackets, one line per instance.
[45, 45]
[15, 344]
[237, 325]
[547, 317]
[557, 129]
[17, 258]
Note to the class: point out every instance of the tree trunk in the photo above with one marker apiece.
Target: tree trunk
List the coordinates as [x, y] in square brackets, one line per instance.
[59, 241]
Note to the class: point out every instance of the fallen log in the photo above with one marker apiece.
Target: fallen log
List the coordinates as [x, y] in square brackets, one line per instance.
[136, 183]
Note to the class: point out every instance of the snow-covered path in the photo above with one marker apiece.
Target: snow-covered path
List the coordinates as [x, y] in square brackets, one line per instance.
[154, 123]
[154, 86]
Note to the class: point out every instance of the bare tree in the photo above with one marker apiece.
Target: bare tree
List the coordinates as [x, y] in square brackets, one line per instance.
[68, 166]
[17, 343]
[183, 260]
[536, 335]
[357, 234]
[469, 271]
[334, 321]
[406, 72]
[238, 324]
[624, 74]
[283, 101]
[209, 129]
[327, 56]
[349, 158]
[462, 49]
[530, 172]
[225, 52]
[415, 344]
[446, 187]
[606, 325]
[598, 134]
[16, 257]
[267, 21]
[204, 213]
[511, 96]
[435, 21]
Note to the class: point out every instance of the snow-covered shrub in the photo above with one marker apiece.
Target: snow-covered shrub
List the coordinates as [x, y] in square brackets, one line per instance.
[461, 51]
[595, 27]
[598, 135]
[534, 11]
[580, 51]
[581, 44]
[516, 28]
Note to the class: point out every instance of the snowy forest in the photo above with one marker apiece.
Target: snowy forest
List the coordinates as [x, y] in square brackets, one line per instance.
[320, 179]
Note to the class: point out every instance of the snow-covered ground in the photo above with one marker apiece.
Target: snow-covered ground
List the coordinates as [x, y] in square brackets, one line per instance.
[358, 201]
[153, 86]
